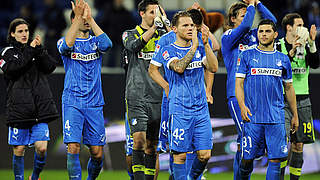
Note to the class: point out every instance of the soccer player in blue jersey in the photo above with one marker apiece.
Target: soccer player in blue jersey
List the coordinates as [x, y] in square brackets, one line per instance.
[82, 98]
[237, 38]
[261, 73]
[190, 128]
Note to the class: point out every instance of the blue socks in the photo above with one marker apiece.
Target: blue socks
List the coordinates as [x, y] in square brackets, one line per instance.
[38, 165]
[130, 174]
[236, 166]
[179, 171]
[94, 167]
[18, 167]
[273, 171]
[73, 166]
[197, 168]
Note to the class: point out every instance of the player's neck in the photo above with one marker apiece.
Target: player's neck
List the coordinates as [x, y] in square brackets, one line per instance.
[182, 42]
[144, 25]
[83, 34]
[290, 38]
[266, 47]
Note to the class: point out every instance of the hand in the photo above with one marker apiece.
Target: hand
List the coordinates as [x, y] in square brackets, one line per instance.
[256, 2]
[249, 2]
[313, 33]
[209, 98]
[78, 8]
[166, 90]
[296, 44]
[163, 16]
[87, 15]
[294, 124]
[158, 22]
[244, 114]
[205, 34]
[195, 5]
[195, 40]
[36, 41]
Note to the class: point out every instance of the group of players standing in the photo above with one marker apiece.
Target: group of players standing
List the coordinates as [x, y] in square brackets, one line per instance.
[182, 63]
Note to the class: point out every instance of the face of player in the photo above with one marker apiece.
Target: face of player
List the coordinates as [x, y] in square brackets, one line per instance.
[266, 35]
[184, 28]
[149, 15]
[237, 20]
[84, 26]
[297, 22]
[21, 33]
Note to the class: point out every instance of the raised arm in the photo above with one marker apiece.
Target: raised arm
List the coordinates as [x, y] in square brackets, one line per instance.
[78, 10]
[265, 13]
[211, 62]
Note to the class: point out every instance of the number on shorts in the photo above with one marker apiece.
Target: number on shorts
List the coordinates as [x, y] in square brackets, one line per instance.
[307, 127]
[67, 125]
[15, 130]
[178, 133]
[163, 125]
[247, 140]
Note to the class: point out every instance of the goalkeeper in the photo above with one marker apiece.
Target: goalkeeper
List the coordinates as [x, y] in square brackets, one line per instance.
[299, 45]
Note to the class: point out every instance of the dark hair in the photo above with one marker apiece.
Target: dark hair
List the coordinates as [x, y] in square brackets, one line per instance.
[142, 6]
[233, 12]
[12, 28]
[196, 16]
[268, 22]
[289, 20]
[72, 15]
[177, 16]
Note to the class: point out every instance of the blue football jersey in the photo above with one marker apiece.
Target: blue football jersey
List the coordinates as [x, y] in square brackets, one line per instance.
[264, 73]
[234, 41]
[82, 64]
[187, 93]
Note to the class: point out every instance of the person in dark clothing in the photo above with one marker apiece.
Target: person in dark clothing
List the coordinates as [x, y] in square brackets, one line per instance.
[30, 105]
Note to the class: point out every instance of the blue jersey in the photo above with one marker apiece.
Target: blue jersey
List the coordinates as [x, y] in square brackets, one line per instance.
[239, 39]
[82, 64]
[264, 72]
[187, 93]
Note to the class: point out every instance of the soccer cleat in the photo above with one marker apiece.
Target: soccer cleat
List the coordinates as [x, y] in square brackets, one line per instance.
[30, 178]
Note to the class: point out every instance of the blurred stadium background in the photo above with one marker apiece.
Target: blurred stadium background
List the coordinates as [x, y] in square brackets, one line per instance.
[49, 18]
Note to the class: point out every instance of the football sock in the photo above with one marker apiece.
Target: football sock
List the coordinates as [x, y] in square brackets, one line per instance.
[150, 166]
[273, 171]
[245, 170]
[18, 167]
[38, 165]
[171, 167]
[236, 166]
[73, 166]
[197, 168]
[283, 166]
[130, 174]
[138, 164]
[296, 163]
[94, 167]
[179, 171]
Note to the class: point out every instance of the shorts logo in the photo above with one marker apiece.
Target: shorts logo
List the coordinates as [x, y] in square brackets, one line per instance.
[134, 121]
[266, 72]
[284, 148]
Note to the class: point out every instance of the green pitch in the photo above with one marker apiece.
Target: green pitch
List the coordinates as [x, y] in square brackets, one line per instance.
[122, 175]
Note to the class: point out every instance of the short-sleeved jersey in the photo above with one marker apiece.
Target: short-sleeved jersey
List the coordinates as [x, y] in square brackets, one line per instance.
[234, 41]
[187, 93]
[82, 64]
[264, 72]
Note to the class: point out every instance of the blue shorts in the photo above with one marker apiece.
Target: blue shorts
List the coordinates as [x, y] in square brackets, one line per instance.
[164, 125]
[38, 132]
[190, 133]
[235, 113]
[86, 122]
[269, 137]
[129, 138]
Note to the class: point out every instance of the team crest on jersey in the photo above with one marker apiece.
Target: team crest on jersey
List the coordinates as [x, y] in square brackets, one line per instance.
[198, 55]
[82, 57]
[165, 55]
[2, 63]
[124, 35]
[134, 121]
[279, 63]
[93, 46]
[266, 71]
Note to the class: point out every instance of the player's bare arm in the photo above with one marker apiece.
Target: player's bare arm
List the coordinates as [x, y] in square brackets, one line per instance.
[240, 97]
[157, 77]
[78, 9]
[291, 97]
[179, 65]
[211, 61]
[209, 77]
[87, 16]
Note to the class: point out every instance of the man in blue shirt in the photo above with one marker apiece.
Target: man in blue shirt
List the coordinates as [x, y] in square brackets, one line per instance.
[261, 72]
[237, 38]
[190, 128]
[82, 98]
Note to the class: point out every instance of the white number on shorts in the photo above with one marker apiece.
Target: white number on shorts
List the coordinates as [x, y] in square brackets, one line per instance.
[247, 140]
[178, 133]
[67, 125]
[15, 130]
[163, 126]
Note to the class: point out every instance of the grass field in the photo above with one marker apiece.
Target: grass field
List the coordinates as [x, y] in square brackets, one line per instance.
[122, 175]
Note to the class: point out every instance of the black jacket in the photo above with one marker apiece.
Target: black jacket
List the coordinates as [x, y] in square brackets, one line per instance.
[29, 98]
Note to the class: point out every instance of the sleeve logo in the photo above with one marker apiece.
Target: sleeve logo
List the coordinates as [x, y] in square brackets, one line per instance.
[165, 55]
[238, 62]
[124, 35]
[2, 63]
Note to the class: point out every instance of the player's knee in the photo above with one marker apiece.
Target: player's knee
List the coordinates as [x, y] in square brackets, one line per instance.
[18, 150]
[297, 147]
[41, 150]
[96, 152]
[74, 148]
[204, 156]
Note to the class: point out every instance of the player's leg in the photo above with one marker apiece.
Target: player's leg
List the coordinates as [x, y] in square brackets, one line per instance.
[138, 119]
[152, 136]
[202, 142]
[18, 138]
[128, 147]
[235, 113]
[72, 120]
[277, 148]
[40, 137]
[94, 136]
